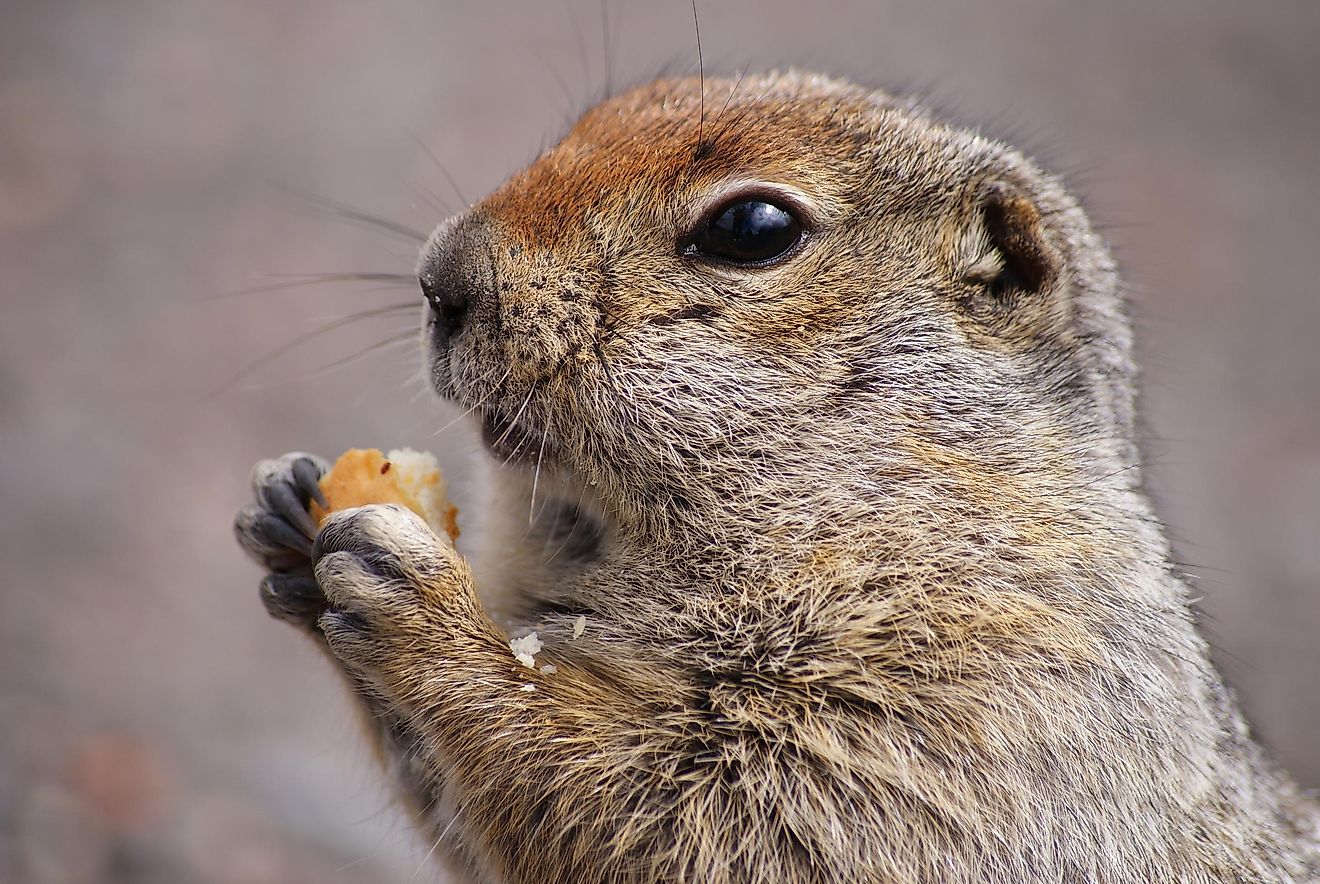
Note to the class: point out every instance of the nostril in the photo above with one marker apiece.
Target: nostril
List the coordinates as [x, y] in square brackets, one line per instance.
[451, 314]
[449, 304]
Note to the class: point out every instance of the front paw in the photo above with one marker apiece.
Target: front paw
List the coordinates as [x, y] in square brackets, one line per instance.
[277, 532]
[395, 591]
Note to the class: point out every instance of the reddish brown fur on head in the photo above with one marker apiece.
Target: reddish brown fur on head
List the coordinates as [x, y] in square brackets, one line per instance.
[934, 295]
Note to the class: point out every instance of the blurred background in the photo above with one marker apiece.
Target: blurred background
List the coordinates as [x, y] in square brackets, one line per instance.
[157, 157]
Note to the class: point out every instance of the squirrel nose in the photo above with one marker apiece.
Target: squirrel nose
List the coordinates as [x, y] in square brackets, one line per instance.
[449, 304]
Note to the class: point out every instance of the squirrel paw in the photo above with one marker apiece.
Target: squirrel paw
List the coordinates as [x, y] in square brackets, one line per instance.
[392, 587]
[277, 532]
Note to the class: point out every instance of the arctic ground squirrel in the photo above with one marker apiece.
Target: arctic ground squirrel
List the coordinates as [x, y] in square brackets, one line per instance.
[838, 556]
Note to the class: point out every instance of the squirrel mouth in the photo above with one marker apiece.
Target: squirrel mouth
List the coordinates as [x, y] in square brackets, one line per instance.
[511, 441]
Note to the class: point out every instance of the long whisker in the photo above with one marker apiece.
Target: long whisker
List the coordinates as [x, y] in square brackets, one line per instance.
[728, 98]
[738, 118]
[409, 336]
[420, 382]
[570, 103]
[427, 858]
[701, 75]
[432, 199]
[345, 212]
[306, 337]
[581, 44]
[463, 201]
[536, 478]
[606, 45]
[527, 400]
[478, 404]
[304, 280]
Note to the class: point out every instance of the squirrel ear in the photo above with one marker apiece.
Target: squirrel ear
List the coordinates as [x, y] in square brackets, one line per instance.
[1015, 230]
[1016, 268]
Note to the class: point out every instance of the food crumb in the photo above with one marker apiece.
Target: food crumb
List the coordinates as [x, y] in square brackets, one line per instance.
[525, 649]
[527, 687]
[549, 669]
[579, 626]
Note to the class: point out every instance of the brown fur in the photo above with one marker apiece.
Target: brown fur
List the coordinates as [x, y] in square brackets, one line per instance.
[872, 590]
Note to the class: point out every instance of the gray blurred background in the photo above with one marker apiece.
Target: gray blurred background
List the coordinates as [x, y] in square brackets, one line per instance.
[154, 724]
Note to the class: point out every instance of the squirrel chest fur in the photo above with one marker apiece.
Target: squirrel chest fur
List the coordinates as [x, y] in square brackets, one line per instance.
[812, 463]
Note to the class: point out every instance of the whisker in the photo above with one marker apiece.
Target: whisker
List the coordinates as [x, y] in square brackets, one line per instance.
[305, 338]
[427, 858]
[536, 478]
[304, 280]
[581, 44]
[366, 854]
[345, 212]
[420, 383]
[733, 123]
[527, 400]
[403, 337]
[479, 403]
[463, 201]
[701, 75]
[433, 200]
[606, 46]
[729, 98]
[570, 103]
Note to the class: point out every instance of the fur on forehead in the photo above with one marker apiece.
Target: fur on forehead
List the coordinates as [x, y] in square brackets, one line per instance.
[653, 149]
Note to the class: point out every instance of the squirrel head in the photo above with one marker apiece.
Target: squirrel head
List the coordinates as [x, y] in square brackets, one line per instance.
[785, 289]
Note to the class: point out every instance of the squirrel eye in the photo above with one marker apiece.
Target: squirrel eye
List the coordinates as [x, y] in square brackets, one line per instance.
[751, 232]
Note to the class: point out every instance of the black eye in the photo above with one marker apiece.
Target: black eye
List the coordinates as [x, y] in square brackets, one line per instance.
[750, 232]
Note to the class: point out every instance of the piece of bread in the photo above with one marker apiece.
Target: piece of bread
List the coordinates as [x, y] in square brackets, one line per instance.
[406, 477]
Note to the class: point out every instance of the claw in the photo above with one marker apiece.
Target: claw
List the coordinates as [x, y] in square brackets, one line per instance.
[275, 529]
[306, 478]
[292, 597]
[285, 502]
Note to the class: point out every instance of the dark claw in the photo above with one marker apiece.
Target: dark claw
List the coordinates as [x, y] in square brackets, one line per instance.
[280, 532]
[267, 537]
[277, 531]
[307, 478]
[284, 501]
[292, 597]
